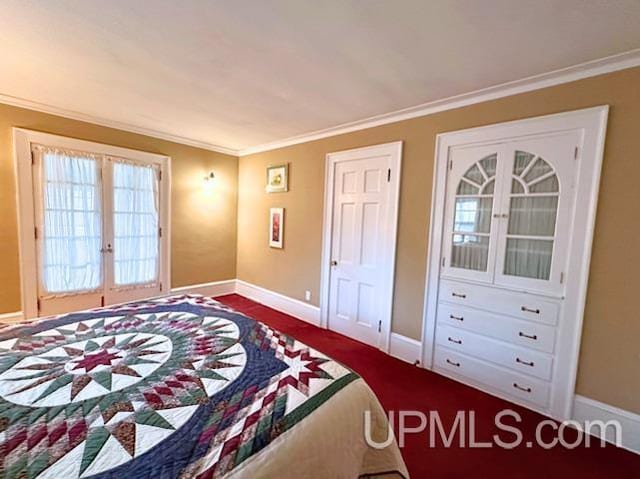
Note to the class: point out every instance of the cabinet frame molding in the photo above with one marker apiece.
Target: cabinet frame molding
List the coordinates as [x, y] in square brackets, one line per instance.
[592, 123]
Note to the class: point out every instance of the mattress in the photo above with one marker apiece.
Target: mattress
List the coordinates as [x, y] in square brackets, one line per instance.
[181, 387]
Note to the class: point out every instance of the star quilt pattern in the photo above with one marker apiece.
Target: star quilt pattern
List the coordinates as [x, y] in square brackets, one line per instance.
[177, 387]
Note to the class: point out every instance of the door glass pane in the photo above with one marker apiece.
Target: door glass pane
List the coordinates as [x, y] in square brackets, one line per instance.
[135, 224]
[470, 252]
[528, 258]
[472, 216]
[533, 215]
[72, 223]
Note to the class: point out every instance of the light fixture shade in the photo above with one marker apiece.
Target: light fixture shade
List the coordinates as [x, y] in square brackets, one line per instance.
[209, 180]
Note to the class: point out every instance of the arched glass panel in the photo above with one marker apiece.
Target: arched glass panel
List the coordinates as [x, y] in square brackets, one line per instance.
[532, 217]
[472, 216]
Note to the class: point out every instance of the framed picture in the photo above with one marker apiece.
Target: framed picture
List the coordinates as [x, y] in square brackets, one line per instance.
[276, 227]
[278, 179]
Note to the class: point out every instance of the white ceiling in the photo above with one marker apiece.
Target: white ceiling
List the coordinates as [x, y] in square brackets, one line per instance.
[240, 73]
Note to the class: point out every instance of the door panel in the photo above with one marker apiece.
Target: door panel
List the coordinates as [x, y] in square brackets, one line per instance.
[359, 228]
[68, 218]
[469, 224]
[535, 211]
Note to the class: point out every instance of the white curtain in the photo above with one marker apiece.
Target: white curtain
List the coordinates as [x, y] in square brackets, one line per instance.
[72, 229]
[135, 223]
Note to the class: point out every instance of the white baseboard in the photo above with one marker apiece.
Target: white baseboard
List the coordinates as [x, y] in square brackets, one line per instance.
[296, 308]
[404, 348]
[9, 318]
[215, 288]
[585, 409]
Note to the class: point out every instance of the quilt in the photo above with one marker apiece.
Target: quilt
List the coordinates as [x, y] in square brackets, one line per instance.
[177, 387]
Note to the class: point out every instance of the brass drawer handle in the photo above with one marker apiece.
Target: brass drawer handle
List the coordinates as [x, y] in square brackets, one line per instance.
[526, 363]
[458, 295]
[453, 364]
[457, 318]
[532, 336]
[527, 390]
[529, 310]
[457, 341]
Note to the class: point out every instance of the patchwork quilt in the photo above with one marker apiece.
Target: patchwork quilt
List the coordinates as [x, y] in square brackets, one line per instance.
[178, 387]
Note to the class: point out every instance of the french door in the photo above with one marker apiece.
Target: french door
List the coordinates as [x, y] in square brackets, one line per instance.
[98, 229]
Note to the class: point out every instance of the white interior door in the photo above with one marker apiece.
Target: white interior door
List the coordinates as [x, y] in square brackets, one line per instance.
[98, 229]
[363, 230]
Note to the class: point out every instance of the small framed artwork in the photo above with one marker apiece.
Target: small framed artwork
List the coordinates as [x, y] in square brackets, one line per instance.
[278, 179]
[276, 227]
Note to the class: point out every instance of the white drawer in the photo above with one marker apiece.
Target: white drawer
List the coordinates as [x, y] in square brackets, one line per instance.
[522, 333]
[519, 359]
[507, 382]
[513, 303]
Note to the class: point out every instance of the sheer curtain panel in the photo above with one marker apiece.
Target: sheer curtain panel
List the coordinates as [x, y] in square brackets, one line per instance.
[72, 221]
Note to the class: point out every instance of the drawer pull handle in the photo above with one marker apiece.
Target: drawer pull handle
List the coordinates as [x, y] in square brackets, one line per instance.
[528, 336]
[453, 363]
[458, 295]
[526, 363]
[457, 341]
[517, 386]
[457, 318]
[529, 310]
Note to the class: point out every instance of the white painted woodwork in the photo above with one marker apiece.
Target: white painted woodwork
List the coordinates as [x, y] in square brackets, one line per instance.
[508, 263]
[360, 233]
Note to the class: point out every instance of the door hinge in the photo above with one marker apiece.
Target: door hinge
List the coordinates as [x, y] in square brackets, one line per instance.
[575, 153]
[380, 326]
[388, 175]
[38, 304]
[443, 261]
[35, 232]
[33, 158]
[160, 286]
[160, 232]
[451, 164]
[102, 301]
[562, 277]
[159, 175]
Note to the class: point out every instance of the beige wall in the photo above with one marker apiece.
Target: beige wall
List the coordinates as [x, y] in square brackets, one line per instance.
[609, 360]
[203, 239]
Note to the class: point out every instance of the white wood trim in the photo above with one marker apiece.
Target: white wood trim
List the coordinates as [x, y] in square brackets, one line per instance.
[405, 348]
[593, 123]
[97, 120]
[601, 66]
[394, 149]
[294, 307]
[22, 141]
[580, 71]
[9, 318]
[213, 289]
[585, 409]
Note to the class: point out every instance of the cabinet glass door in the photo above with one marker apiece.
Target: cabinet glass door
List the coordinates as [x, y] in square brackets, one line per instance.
[471, 187]
[534, 212]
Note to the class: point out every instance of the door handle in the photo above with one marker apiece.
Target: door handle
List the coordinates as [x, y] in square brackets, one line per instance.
[334, 262]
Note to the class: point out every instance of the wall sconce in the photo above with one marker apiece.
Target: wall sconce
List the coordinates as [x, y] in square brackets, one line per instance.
[209, 181]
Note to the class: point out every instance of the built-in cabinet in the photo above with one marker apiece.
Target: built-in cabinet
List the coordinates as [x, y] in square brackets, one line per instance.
[510, 247]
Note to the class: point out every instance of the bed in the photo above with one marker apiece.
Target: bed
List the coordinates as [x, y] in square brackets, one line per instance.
[180, 387]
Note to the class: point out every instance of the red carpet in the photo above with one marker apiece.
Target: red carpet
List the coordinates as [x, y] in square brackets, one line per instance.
[400, 386]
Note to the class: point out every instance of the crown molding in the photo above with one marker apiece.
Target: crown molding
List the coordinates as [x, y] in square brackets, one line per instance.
[96, 120]
[588, 69]
[601, 66]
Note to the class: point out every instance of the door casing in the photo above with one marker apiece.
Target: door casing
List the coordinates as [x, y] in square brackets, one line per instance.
[394, 151]
[22, 141]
